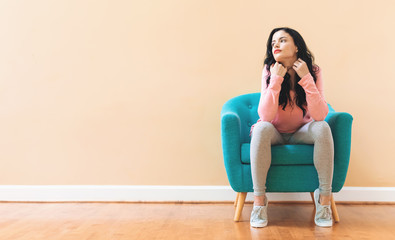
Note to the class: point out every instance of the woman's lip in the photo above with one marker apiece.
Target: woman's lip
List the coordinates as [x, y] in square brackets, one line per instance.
[276, 51]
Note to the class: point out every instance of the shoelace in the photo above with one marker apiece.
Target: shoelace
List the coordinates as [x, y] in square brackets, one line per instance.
[258, 215]
[325, 213]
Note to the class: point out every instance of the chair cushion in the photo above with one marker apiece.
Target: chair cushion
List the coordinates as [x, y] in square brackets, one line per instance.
[302, 154]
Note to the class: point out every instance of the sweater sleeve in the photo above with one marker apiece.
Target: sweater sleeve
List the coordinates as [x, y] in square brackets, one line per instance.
[316, 103]
[268, 103]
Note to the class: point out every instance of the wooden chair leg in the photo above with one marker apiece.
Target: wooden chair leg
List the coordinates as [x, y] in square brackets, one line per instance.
[335, 214]
[334, 209]
[312, 197]
[237, 198]
[240, 204]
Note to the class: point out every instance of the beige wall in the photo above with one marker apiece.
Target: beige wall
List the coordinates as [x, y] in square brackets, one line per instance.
[130, 92]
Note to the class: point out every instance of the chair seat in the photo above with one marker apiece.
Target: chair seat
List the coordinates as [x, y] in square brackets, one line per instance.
[302, 154]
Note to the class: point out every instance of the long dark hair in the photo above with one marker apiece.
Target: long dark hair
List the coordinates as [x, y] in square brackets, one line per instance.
[303, 53]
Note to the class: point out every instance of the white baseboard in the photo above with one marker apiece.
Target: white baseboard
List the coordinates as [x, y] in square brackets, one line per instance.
[126, 193]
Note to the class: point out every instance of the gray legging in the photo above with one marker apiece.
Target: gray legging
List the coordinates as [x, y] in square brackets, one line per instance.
[264, 135]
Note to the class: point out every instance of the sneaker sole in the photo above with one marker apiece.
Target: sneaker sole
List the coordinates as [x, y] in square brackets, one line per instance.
[257, 225]
[323, 224]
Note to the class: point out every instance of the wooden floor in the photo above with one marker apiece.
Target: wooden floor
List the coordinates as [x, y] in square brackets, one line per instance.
[47, 221]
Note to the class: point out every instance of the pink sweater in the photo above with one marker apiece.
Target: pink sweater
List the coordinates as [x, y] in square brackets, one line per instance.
[291, 119]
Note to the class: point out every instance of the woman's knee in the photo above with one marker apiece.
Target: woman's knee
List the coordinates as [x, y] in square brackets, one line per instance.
[264, 127]
[321, 129]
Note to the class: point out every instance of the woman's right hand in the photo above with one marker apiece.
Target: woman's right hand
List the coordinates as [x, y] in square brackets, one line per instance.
[278, 69]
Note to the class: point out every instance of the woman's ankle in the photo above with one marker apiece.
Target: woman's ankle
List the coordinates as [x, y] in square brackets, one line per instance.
[325, 200]
[259, 200]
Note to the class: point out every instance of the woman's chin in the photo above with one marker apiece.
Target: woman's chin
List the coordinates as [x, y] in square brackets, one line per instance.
[278, 59]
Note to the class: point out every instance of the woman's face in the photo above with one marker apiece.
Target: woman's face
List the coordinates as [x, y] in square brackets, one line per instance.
[284, 42]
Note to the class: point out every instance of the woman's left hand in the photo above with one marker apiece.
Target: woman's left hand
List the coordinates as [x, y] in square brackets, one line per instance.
[301, 68]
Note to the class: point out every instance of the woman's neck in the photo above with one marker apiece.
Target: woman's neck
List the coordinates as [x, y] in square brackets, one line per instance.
[292, 74]
[289, 65]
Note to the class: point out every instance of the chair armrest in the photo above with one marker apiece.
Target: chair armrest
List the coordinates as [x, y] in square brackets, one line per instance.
[341, 125]
[230, 136]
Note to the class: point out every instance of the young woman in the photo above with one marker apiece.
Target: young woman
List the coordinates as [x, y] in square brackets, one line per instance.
[291, 110]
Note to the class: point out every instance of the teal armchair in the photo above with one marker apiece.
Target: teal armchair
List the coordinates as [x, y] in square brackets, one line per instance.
[292, 168]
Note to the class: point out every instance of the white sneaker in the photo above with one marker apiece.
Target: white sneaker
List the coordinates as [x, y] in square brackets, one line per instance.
[323, 213]
[259, 215]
